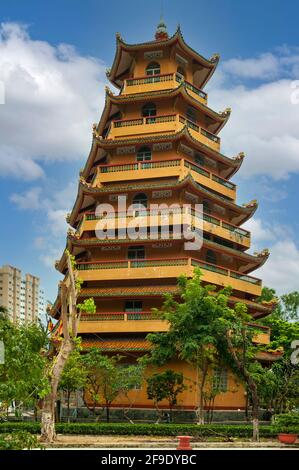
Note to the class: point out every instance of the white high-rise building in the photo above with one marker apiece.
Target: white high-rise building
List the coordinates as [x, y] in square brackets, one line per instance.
[22, 296]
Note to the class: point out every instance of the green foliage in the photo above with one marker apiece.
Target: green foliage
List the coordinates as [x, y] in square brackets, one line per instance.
[204, 431]
[88, 306]
[19, 440]
[22, 375]
[166, 385]
[286, 422]
[73, 376]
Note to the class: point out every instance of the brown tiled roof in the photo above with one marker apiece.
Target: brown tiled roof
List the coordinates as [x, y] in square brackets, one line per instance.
[128, 290]
[131, 344]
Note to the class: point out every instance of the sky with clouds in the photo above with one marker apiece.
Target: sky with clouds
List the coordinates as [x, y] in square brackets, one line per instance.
[52, 74]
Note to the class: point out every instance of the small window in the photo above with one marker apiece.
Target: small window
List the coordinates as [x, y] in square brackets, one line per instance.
[133, 306]
[206, 207]
[136, 252]
[211, 257]
[191, 114]
[144, 154]
[149, 110]
[199, 159]
[153, 69]
[140, 199]
[220, 379]
[181, 72]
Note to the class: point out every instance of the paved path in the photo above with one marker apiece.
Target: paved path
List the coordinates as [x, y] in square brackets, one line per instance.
[157, 442]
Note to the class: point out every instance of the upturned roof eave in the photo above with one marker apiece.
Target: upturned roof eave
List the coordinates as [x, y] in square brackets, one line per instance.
[121, 46]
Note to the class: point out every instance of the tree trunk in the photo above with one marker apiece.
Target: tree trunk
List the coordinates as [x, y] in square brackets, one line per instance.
[48, 413]
[200, 410]
[107, 413]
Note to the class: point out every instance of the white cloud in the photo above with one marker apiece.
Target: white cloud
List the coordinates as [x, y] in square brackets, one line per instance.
[281, 270]
[52, 96]
[264, 121]
[52, 231]
[263, 67]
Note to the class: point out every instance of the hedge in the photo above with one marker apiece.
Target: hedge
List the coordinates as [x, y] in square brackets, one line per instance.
[215, 430]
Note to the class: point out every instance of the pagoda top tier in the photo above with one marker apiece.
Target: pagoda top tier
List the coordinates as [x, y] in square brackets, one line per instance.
[162, 47]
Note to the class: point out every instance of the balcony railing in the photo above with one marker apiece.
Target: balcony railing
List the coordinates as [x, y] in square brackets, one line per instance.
[206, 217]
[166, 118]
[159, 262]
[117, 316]
[144, 120]
[166, 77]
[164, 164]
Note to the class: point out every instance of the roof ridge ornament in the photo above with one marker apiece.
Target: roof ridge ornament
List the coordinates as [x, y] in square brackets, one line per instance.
[215, 58]
[161, 31]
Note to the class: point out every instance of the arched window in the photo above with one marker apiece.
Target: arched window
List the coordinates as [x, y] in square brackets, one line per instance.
[140, 199]
[144, 154]
[206, 207]
[181, 72]
[191, 114]
[211, 257]
[136, 252]
[153, 69]
[199, 159]
[149, 110]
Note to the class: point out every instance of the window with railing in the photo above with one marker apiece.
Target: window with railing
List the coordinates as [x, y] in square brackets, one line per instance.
[144, 154]
[132, 307]
[153, 69]
[136, 252]
[211, 257]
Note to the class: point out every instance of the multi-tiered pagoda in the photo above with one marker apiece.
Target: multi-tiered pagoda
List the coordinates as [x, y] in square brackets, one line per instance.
[158, 142]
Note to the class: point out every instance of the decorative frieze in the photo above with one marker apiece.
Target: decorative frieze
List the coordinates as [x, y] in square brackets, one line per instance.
[125, 150]
[114, 197]
[162, 245]
[110, 248]
[187, 150]
[153, 55]
[162, 146]
[163, 194]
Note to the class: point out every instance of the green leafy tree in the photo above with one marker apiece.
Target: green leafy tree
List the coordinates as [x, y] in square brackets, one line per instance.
[191, 331]
[73, 376]
[70, 314]
[22, 378]
[103, 381]
[167, 386]
[203, 327]
[131, 378]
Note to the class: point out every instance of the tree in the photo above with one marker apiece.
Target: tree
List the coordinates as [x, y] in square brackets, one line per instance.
[203, 327]
[131, 378]
[104, 379]
[70, 314]
[166, 385]
[22, 374]
[191, 331]
[73, 376]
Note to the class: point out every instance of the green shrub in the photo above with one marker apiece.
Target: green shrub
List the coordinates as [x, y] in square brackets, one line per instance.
[204, 431]
[20, 440]
[286, 422]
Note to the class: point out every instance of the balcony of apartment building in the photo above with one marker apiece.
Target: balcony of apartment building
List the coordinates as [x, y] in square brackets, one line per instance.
[148, 218]
[166, 81]
[170, 168]
[161, 124]
[168, 268]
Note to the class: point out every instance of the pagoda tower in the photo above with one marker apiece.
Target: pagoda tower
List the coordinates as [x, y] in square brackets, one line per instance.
[158, 142]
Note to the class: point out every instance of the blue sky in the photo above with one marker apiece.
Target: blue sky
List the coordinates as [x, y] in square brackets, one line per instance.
[53, 57]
